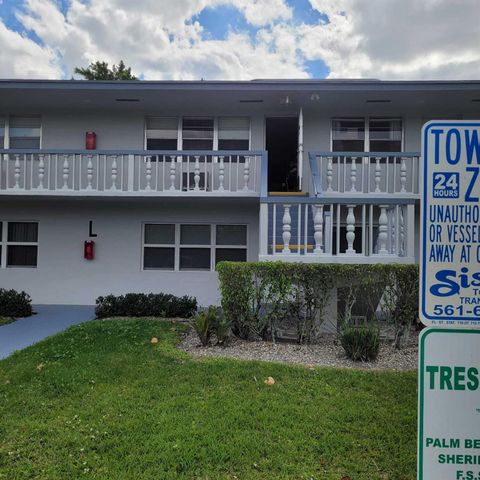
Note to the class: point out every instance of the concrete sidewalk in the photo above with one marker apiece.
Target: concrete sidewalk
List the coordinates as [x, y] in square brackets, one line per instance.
[50, 319]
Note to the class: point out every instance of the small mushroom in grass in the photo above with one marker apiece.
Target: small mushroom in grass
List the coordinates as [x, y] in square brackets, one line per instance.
[40, 366]
[154, 340]
[270, 381]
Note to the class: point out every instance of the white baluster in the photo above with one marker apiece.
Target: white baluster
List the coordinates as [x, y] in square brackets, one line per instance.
[393, 220]
[196, 176]
[382, 230]
[403, 176]
[318, 228]
[66, 172]
[353, 175]
[41, 171]
[286, 235]
[173, 168]
[329, 174]
[221, 174]
[246, 173]
[89, 172]
[350, 230]
[114, 173]
[148, 173]
[378, 174]
[16, 172]
[401, 251]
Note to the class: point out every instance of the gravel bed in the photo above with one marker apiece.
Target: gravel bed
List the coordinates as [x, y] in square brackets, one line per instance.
[327, 353]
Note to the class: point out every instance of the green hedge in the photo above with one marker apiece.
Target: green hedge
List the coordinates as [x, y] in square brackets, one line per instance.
[145, 305]
[15, 304]
[258, 296]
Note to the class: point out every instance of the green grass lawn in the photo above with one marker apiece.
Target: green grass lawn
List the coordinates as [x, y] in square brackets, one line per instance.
[5, 320]
[100, 401]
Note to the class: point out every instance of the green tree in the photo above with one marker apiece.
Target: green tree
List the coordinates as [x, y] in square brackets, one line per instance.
[101, 71]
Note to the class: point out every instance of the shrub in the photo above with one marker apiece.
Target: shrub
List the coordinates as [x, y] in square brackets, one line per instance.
[360, 343]
[15, 304]
[210, 322]
[257, 297]
[145, 305]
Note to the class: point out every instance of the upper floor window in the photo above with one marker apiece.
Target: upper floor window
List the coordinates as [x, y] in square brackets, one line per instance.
[197, 133]
[366, 135]
[162, 133]
[18, 132]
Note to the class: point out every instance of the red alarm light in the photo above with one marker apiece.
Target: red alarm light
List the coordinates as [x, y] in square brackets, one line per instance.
[90, 140]
[89, 250]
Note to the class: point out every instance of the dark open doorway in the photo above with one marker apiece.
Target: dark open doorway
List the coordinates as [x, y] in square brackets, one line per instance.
[281, 142]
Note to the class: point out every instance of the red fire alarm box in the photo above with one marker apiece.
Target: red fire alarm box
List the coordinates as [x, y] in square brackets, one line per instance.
[90, 140]
[89, 250]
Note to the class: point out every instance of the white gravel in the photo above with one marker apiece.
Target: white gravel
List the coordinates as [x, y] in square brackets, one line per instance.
[327, 353]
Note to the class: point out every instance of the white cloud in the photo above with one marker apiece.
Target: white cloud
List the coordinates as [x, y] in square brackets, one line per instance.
[363, 38]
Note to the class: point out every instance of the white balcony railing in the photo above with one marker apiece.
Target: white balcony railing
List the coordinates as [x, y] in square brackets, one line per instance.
[329, 230]
[173, 173]
[373, 173]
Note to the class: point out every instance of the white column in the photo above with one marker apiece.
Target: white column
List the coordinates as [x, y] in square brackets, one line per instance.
[329, 174]
[89, 173]
[410, 231]
[66, 172]
[41, 171]
[16, 172]
[318, 228]
[382, 230]
[403, 176]
[114, 173]
[286, 235]
[353, 175]
[350, 230]
[196, 177]
[401, 249]
[173, 168]
[378, 174]
[221, 174]
[246, 173]
[263, 229]
[148, 173]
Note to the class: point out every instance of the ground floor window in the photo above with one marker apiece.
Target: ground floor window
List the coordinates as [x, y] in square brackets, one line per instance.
[18, 244]
[192, 246]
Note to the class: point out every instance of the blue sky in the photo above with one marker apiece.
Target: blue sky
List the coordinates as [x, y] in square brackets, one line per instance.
[243, 39]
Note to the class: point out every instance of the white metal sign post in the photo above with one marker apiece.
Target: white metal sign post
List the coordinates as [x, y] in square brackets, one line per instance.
[449, 405]
[450, 224]
[449, 363]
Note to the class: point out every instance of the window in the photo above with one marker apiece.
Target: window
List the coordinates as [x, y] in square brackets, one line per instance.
[159, 247]
[192, 246]
[24, 132]
[162, 133]
[18, 244]
[197, 133]
[366, 135]
[233, 133]
[2, 133]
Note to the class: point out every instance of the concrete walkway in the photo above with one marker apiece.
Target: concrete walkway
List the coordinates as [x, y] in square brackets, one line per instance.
[50, 319]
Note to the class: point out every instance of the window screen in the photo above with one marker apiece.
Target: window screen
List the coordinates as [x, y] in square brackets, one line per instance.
[385, 135]
[162, 133]
[22, 244]
[24, 132]
[197, 133]
[159, 247]
[348, 135]
[233, 133]
[2, 132]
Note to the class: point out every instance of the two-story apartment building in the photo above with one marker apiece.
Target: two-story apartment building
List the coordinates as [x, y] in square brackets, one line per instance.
[169, 178]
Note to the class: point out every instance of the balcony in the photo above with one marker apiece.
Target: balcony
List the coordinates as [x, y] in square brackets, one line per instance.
[135, 173]
[362, 173]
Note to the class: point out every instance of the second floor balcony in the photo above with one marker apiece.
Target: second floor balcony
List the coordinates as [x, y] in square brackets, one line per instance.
[136, 173]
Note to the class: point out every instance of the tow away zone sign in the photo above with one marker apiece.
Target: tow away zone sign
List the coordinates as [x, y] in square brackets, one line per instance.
[450, 228]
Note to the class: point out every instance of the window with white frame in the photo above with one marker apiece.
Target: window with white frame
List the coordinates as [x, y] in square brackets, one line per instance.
[366, 135]
[24, 132]
[161, 133]
[197, 133]
[192, 246]
[19, 244]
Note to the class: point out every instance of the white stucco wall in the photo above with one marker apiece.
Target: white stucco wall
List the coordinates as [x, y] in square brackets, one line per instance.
[64, 277]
